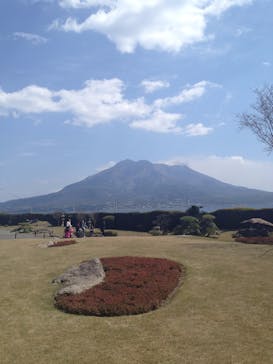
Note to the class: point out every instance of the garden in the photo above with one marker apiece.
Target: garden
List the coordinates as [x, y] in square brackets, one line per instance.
[222, 312]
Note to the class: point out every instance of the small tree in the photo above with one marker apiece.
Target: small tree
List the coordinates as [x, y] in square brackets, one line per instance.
[95, 219]
[189, 225]
[163, 221]
[109, 221]
[208, 226]
[260, 120]
[194, 210]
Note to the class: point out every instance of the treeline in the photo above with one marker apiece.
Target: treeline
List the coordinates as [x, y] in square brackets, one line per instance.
[135, 221]
[225, 219]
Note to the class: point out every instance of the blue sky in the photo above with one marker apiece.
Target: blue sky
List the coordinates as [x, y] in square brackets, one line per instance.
[87, 83]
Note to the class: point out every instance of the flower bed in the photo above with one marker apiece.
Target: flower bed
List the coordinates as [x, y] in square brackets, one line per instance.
[255, 240]
[132, 285]
[62, 243]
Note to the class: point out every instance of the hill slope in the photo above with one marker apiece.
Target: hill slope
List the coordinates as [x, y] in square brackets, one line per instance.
[140, 186]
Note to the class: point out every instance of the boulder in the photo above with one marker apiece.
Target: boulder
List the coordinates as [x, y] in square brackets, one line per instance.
[81, 277]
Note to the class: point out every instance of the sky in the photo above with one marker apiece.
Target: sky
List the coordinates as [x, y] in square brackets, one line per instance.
[85, 84]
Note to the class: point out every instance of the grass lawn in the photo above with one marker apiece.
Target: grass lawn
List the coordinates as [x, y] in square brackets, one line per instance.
[222, 314]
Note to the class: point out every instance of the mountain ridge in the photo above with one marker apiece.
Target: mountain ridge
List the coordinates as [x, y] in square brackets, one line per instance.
[143, 186]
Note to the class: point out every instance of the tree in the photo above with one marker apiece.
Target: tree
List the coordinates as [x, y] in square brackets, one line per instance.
[260, 120]
[189, 225]
[208, 226]
[163, 221]
[194, 210]
[109, 221]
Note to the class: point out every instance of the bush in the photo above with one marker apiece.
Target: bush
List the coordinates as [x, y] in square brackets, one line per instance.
[155, 232]
[255, 240]
[178, 230]
[189, 225]
[208, 227]
[109, 221]
[110, 233]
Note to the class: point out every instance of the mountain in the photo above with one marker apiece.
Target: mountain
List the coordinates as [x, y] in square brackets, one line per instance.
[143, 186]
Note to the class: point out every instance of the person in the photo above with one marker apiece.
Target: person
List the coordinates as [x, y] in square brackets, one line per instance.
[68, 229]
[91, 231]
[83, 226]
[90, 227]
[79, 230]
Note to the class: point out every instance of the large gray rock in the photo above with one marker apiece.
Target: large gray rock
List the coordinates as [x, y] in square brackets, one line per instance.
[81, 277]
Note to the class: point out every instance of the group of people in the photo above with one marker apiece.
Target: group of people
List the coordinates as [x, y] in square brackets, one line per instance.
[81, 229]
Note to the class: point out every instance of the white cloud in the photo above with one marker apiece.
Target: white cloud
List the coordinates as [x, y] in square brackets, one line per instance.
[30, 37]
[106, 166]
[152, 86]
[160, 122]
[266, 64]
[217, 7]
[168, 25]
[103, 101]
[236, 170]
[188, 94]
[99, 101]
[31, 99]
[197, 129]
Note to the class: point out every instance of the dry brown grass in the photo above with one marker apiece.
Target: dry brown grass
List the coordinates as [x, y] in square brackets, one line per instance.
[223, 313]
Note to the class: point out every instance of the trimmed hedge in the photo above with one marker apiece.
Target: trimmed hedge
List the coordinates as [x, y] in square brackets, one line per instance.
[110, 233]
[230, 219]
[225, 219]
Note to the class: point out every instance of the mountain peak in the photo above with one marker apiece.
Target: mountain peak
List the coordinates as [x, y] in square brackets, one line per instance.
[127, 162]
[142, 186]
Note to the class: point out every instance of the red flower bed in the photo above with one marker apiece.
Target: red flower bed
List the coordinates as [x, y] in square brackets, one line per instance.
[62, 243]
[132, 285]
[255, 239]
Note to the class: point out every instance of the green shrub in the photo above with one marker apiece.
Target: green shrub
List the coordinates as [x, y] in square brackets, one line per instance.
[189, 225]
[109, 221]
[110, 233]
[155, 232]
[178, 230]
[207, 225]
